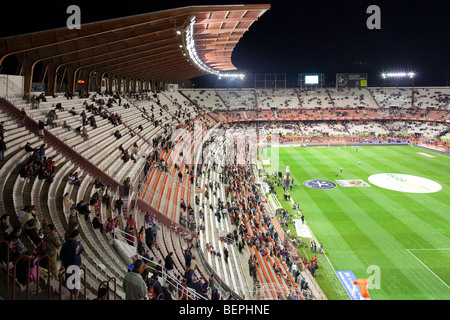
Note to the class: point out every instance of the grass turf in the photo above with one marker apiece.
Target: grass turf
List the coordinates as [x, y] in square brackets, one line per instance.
[372, 226]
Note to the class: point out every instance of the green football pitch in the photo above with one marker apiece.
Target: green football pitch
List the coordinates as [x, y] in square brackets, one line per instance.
[404, 236]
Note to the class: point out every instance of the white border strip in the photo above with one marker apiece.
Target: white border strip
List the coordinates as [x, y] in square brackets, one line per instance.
[409, 250]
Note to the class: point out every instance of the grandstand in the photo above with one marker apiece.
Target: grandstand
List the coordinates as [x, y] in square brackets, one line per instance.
[180, 159]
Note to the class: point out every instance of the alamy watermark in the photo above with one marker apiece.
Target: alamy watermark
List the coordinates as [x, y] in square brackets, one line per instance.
[74, 20]
[374, 20]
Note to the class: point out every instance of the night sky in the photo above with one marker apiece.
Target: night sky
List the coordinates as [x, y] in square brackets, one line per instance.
[295, 36]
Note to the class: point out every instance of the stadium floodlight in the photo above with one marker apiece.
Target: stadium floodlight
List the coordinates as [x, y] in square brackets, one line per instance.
[192, 52]
[397, 75]
[231, 75]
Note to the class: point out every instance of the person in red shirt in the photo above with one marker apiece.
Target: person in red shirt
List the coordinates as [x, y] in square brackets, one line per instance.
[130, 222]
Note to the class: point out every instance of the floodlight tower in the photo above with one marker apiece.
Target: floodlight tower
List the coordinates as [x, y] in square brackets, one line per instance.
[398, 76]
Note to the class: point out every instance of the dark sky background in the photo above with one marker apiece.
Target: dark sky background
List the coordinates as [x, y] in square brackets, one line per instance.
[295, 36]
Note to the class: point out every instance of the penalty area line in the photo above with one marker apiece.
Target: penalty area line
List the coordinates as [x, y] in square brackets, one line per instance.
[409, 250]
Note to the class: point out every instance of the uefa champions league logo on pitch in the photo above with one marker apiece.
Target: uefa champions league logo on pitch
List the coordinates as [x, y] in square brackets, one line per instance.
[320, 184]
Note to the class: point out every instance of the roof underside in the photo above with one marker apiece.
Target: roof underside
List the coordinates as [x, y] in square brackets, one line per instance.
[144, 46]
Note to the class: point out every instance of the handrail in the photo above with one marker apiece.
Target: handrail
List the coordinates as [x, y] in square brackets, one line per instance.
[59, 145]
[62, 274]
[18, 91]
[177, 284]
[2, 242]
[46, 257]
[106, 282]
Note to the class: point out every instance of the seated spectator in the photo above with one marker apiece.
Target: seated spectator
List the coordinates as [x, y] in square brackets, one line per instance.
[16, 250]
[68, 95]
[29, 148]
[26, 214]
[44, 174]
[125, 157]
[98, 184]
[59, 106]
[83, 209]
[51, 122]
[31, 229]
[117, 134]
[102, 294]
[42, 97]
[50, 165]
[109, 225]
[73, 179]
[67, 201]
[94, 199]
[73, 111]
[96, 222]
[66, 126]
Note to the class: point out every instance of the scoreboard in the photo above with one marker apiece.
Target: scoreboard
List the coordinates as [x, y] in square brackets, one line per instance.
[351, 80]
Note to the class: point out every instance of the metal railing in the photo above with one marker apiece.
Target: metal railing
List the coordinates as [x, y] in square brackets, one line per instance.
[173, 282]
[12, 90]
[62, 276]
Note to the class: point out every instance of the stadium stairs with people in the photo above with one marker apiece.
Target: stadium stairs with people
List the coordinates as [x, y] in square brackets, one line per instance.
[138, 149]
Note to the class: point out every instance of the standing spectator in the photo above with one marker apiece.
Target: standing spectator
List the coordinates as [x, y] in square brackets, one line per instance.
[23, 116]
[126, 186]
[42, 152]
[130, 222]
[169, 265]
[41, 128]
[2, 130]
[50, 247]
[154, 230]
[71, 251]
[133, 284]
[5, 226]
[129, 237]
[225, 253]
[187, 259]
[84, 134]
[73, 219]
[149, 237]
[118, 205]
[106, 199]
[2, 150]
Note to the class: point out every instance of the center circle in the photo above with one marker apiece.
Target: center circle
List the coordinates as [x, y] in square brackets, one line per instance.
[404, 183]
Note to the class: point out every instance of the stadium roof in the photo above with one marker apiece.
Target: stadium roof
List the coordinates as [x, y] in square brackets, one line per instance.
[145, 46]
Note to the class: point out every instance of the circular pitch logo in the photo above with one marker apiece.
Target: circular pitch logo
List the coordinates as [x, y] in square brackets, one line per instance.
[320, 184]
[404, 183]
[342, 80]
